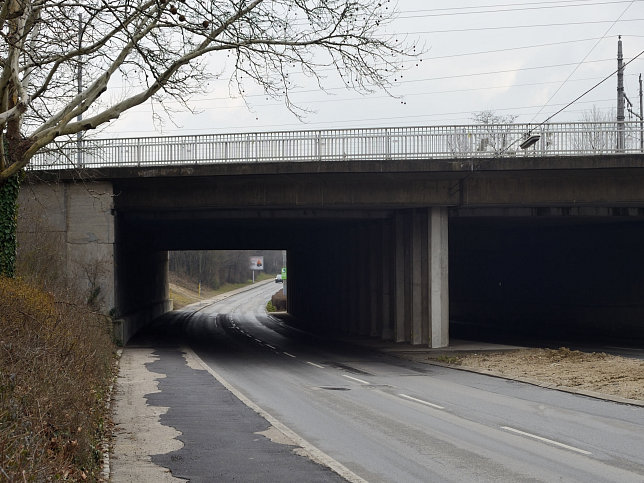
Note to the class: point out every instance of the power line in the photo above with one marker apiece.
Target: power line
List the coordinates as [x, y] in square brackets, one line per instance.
[519, 7]
[592, 88]
[514, 27]
[575, 100]
[508, 49]
[585, 57]
[356, 121]
[503, 10]
[372, 98]
[412, 81]
[464, 54]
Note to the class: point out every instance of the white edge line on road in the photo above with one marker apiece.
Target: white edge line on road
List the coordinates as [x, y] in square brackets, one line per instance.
[287, 354]
[426, 403]
[546, 440]
[272, 347]
[355, 379]
[314, 453]
[315, 365]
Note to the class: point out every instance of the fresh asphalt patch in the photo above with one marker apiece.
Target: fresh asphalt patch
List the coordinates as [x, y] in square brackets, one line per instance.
[222, 437]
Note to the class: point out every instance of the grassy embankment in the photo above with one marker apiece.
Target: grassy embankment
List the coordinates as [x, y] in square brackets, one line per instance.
[56, 366]
[185, 292]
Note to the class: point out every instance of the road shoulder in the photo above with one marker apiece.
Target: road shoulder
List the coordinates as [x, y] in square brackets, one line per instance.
[176, 421]
[138, 432]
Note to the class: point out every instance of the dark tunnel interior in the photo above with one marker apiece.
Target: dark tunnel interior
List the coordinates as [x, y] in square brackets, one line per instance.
[568, 279]
[549, 278]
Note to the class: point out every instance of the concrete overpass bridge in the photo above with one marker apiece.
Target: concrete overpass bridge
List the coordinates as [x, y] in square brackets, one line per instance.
[391, 233]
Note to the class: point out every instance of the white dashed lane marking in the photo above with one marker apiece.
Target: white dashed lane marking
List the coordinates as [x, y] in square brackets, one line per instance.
[421, 401]
[355, 379]
[546, 440]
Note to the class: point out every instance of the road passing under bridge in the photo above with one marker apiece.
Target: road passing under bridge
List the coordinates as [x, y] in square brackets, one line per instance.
[368, 416]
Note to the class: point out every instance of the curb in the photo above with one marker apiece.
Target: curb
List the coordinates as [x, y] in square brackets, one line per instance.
[106, 444]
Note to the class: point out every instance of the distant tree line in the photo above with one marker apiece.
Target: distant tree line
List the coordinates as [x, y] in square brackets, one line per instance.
[217, 267]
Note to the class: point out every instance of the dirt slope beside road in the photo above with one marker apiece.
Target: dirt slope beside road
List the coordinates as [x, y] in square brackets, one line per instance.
[595, 371]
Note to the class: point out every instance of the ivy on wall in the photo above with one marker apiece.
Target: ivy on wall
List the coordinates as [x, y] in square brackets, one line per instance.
[8, 224]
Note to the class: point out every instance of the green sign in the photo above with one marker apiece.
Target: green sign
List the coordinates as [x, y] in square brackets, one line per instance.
[283, 273]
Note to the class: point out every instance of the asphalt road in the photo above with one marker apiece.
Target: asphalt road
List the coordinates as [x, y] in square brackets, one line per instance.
[382, 418]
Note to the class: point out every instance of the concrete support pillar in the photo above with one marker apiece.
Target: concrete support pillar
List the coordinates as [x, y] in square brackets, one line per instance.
[439, 279]
[364, 274]
[342, 305]
[353, 292]
[421, 290]
[386, 270]
[375, 279]
[418, 263]
[348, 275]
[338, 281]
[402, 295]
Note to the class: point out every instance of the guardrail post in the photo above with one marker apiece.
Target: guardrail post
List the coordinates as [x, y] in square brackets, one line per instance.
[318, 145]
[387, 144]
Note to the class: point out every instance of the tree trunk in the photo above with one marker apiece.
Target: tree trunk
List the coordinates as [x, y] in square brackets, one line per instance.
[8, 224]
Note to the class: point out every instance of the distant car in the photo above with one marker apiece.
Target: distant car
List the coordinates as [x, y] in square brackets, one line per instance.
[278, 278]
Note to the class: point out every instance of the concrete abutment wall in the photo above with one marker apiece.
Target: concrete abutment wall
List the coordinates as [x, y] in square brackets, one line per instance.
[142, 291]
[73, 223]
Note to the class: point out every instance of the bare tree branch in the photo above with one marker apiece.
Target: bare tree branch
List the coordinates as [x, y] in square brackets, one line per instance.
[160, 48]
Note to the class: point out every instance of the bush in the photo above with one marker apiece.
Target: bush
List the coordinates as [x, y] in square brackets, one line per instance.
[279, 302]
[56, 363]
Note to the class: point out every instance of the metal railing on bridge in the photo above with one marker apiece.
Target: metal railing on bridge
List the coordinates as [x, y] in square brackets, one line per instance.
[398, 143]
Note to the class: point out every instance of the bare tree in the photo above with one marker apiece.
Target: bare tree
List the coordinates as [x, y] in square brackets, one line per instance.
[495, 131]
[597, 132]
[162, 49]
[491, 133]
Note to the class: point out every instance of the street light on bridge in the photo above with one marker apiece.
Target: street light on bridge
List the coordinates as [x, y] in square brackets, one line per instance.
[530, 140]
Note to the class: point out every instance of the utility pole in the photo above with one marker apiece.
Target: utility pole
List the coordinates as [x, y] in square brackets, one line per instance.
[641, 119]
[620, 97]
[79, 118]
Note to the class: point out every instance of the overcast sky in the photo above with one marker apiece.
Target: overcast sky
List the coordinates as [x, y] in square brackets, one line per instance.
[521, 58]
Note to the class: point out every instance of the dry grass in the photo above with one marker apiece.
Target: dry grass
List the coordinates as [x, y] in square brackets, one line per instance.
[56, 363]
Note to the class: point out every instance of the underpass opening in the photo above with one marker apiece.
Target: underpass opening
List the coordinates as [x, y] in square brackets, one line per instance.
[528, 278]
[330, 289]
[196, 275]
